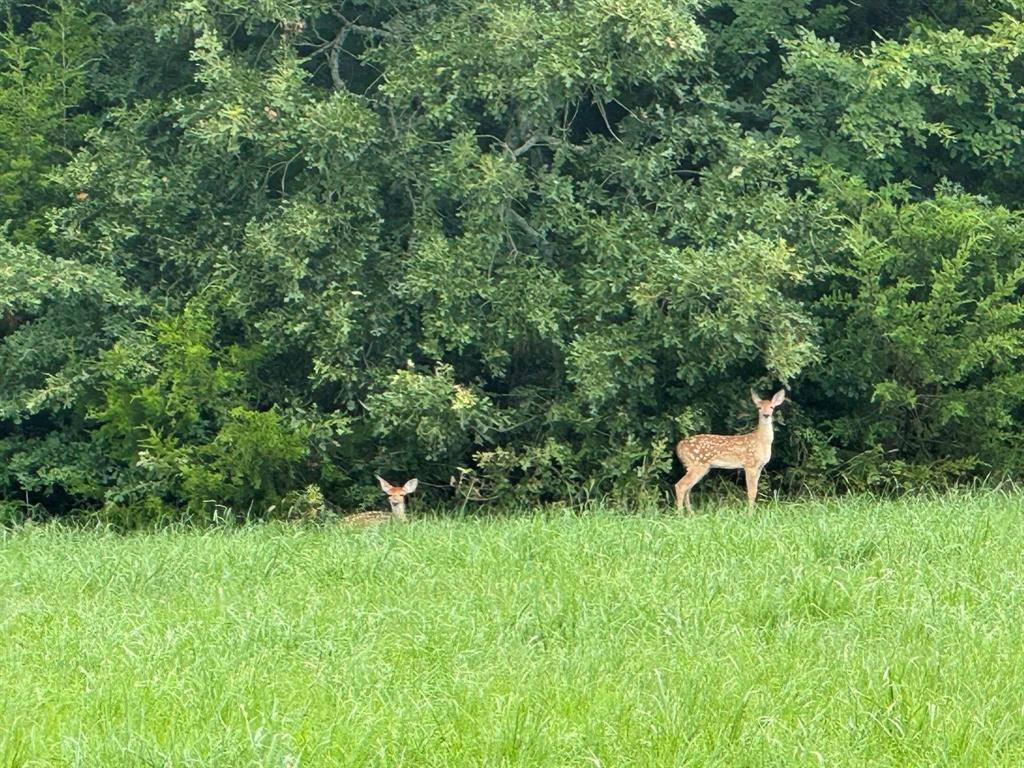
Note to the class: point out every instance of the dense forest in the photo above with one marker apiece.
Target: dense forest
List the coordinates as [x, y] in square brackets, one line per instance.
[254, 251]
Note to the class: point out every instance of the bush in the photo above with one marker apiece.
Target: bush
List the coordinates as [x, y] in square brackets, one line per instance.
[924, 363]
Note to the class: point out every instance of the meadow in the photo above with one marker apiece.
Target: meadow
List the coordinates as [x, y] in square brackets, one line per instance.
[839, 633]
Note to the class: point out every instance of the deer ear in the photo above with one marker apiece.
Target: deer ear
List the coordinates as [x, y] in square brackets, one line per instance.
[410, 486]
[755, 398]
[778, 397]
[384, 484]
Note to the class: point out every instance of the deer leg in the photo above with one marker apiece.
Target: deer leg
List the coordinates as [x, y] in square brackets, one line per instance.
[681, 490]
[690, 479]
[752, 475]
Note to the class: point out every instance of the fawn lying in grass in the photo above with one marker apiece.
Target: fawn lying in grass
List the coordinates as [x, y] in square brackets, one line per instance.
[396, 498]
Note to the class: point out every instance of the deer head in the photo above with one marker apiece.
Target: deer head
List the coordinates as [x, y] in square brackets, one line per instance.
[396, 494]
[765, 408]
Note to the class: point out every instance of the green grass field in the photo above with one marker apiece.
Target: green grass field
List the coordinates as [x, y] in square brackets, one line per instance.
[835, 633]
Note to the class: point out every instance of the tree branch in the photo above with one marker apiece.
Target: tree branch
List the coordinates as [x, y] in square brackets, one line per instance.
[539, 240]
[604, 116]
[333, 54]
[362, 27]
[333, 47]
[536, 139]
[527, 145]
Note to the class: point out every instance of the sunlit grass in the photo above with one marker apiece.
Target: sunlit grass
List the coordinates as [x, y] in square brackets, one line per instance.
[858, 632]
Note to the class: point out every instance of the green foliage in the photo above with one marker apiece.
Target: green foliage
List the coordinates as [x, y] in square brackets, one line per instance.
[926, 358]
[46, 53]
[260, 248]
[180, 428]
[895, 108]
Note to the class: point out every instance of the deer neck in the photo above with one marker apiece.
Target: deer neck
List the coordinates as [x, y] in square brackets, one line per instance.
[765, 433]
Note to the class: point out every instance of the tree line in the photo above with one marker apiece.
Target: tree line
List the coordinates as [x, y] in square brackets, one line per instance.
[252, 254]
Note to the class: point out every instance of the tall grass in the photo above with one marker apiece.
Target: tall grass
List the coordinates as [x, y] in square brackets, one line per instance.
[841, 633]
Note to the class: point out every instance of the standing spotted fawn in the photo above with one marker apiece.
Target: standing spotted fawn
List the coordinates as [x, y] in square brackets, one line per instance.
[396, 498]
[750, 452]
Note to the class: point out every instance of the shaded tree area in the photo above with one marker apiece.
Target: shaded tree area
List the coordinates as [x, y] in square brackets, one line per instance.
[253, 250]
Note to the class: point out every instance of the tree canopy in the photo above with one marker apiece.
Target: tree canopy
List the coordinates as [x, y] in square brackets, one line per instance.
[253, 250]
